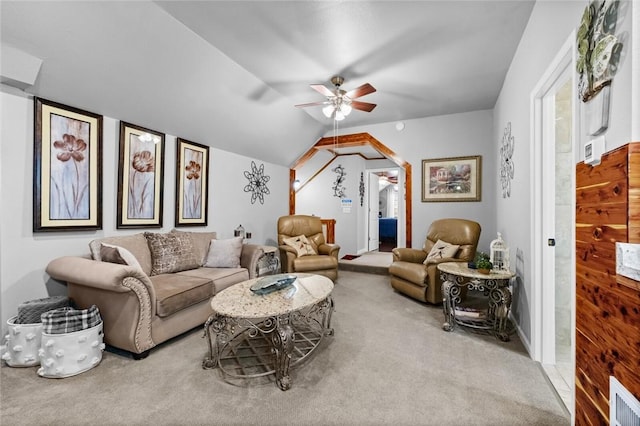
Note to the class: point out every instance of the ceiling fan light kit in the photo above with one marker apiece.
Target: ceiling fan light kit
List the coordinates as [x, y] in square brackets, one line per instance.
[340, 103]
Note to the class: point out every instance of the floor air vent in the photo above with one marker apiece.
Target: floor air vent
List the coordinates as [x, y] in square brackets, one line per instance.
[624, 408]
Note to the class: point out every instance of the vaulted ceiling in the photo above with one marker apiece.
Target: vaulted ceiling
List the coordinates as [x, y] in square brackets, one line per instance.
[228, 73]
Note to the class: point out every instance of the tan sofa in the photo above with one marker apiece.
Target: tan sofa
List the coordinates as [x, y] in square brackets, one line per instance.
[141, 309]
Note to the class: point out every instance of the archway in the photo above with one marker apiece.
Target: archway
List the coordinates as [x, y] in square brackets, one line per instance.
[354, 140]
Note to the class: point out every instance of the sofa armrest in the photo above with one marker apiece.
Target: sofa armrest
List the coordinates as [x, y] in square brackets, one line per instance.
[329, 249]
[112, 287]
[249, 257]
[287, 255]
[408, 255]
[445, 260]
[93, 273]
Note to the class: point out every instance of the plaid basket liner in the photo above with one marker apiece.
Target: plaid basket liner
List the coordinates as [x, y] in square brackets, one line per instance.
[68, 320]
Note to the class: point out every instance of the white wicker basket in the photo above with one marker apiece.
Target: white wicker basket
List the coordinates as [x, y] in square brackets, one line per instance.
[68, 354]
[23, 343]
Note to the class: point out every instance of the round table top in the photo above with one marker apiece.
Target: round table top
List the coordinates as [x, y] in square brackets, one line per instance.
[461, 269]
[238, 301]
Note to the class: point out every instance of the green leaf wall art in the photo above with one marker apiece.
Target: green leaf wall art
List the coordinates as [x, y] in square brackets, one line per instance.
[599, 49]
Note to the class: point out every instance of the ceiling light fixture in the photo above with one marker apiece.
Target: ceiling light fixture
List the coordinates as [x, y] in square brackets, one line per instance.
[339, 107]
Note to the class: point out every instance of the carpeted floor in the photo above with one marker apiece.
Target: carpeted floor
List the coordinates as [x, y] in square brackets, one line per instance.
[388, 363]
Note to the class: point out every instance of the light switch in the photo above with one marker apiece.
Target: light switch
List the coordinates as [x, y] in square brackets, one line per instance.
[628, 260]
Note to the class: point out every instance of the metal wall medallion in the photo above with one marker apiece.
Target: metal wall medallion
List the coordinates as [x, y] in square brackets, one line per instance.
[361, 189]
[506, 161]
[338, 184]
[257, 183]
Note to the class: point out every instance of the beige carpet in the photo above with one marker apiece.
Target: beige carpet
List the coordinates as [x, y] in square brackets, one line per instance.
[372, 258]
[389, 363]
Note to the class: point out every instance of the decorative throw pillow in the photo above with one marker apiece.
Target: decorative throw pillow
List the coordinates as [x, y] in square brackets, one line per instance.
[301, 244]
[171, 252]
[224, 253]
[114, 254]
[441, 250]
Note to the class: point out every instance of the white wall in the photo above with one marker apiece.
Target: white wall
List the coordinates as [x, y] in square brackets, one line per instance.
[316, 198]
[549, 27]
[452, 135]
[24, 254]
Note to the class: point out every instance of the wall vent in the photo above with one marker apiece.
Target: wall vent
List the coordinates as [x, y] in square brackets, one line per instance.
[624, 408]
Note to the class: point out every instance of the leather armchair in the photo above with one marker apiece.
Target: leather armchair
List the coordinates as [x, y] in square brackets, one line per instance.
[325, 262]
[409, 275]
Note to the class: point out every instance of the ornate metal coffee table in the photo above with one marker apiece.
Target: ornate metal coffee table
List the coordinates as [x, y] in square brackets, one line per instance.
[495, 285]
[252, 335]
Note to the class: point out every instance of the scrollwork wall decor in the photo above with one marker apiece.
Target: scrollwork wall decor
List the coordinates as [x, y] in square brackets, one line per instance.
[338, 184]
[506, 161]
[257, 183]
[361, 189]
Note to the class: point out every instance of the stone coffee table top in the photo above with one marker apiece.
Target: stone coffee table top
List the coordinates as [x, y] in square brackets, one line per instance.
[238, 301]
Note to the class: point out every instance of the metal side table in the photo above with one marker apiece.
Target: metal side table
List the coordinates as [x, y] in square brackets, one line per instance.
[269, 262]
[495, 286]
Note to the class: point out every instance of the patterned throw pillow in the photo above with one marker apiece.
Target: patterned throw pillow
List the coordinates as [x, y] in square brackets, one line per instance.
[301, 244]
[224, 253]
[441, 250]
[114, 254]
[171, 252]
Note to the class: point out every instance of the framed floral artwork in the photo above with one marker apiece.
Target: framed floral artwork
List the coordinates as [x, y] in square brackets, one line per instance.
[452, 179]
[192, 183]
[67, 172]
[140, 177]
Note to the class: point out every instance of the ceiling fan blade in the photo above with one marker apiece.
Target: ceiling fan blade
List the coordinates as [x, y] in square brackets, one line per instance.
[312, 104]
[322, 90]
[365, 89]
[363, 106]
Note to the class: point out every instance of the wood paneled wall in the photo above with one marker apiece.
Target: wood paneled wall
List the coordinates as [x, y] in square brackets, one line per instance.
[607, 313]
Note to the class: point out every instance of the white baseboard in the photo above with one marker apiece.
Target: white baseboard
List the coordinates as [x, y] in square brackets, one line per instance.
[523, 339]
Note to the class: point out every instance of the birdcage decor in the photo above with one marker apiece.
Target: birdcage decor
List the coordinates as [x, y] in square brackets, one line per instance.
[499, 254]
[239, 232]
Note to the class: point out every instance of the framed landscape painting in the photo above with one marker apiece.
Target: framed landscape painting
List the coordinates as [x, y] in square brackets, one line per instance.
[67, 172]
[452, 179]
[140, 177]
[192, 183]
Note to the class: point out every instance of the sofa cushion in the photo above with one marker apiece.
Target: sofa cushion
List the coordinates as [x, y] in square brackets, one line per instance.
[221, 277]
[201, 242]
[120, 255]
[441, 250]
[413, 272]
[224, 253]
[171, 252]
[175, 292]
[314, 263]
[301, 245]
[136, 244]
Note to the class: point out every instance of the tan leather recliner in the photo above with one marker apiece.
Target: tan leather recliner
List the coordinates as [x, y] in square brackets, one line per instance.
[325, 262]
[408, 273]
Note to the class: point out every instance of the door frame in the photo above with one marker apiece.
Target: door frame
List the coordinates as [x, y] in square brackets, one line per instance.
[371, 209]
[543, 279]
[401, 240]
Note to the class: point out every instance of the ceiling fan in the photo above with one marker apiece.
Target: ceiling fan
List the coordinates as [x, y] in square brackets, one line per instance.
[339, 102]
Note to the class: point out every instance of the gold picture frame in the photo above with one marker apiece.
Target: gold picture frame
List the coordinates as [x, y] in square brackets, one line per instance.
[140, 177]
[452, 179]
[67, 172]
[192, 183]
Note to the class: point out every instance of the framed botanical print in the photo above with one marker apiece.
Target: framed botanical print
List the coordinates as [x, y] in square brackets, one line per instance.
[452, 179]
[67, 172]
[192, 183]
[140, 177]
